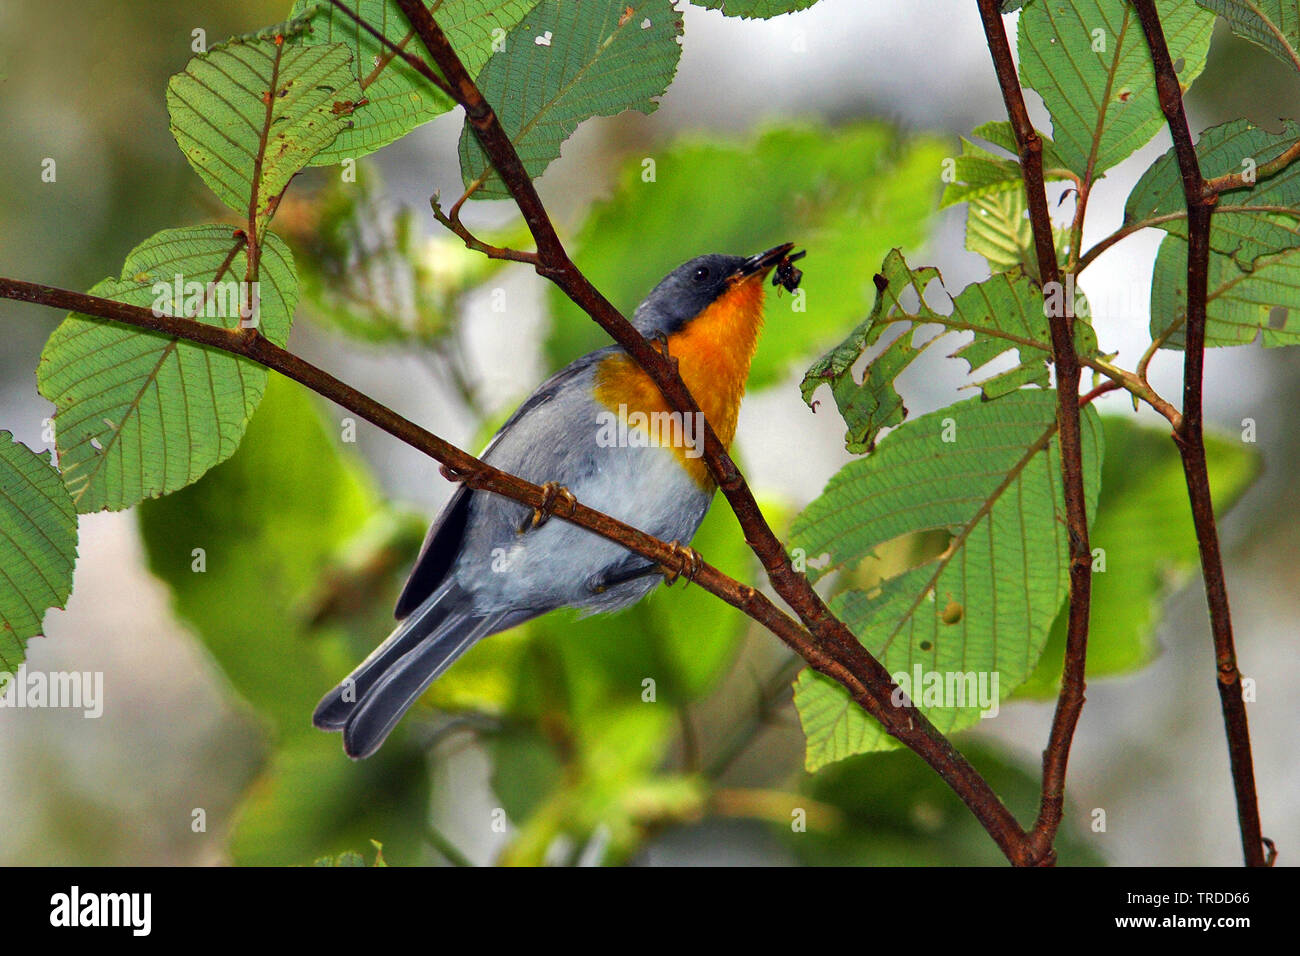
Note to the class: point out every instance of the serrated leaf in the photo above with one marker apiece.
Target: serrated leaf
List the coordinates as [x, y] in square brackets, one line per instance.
[398, 99]
[252, 112]
[1239, 305]
[1089, 62]
[1004, 312]
[38, 546]
[1272, 24]
[754, 9]
[980, 172]
[1147, 544]
[982, 607]
[565, 63]
[846, 194]
[140, 414]
[1248, 222]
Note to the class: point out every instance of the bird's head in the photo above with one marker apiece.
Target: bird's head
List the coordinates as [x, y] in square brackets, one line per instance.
[727, 287]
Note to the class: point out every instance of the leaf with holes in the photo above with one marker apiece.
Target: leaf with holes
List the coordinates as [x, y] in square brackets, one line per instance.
[565, 63]
[1089, 62]
[1240, 305]
[754, 9]
[38, 546]
[988, 473]
[1004, 312]
[140, 414]
[1272, 24]
[397, 98]
[251, 112]
[1249, 222]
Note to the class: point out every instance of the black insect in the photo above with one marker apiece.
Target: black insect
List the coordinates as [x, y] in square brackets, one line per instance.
[786, 274]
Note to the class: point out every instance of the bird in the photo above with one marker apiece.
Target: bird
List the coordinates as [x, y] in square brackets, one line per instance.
[489, 563]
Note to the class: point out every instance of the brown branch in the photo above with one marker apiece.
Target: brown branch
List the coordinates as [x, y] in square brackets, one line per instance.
[864, 677]
[1221, 184]
[1190, 440]
[1070, 702]
[394, 49]
[1125, 231]
[834, 650]
[450, 221]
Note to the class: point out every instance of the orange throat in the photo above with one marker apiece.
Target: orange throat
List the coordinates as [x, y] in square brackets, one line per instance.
[713, 353]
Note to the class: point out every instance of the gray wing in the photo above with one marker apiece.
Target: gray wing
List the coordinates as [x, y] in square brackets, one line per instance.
[446, 535]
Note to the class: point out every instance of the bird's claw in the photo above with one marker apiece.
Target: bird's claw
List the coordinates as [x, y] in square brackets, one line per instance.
[689, 564]
[554, 493]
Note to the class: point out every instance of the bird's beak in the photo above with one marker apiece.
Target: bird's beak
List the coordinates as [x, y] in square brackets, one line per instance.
[763, 263]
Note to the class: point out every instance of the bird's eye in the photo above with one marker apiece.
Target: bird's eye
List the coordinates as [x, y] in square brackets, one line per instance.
[701, 274]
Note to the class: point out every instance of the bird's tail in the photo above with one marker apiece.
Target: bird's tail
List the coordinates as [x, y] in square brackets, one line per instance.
[370, 701]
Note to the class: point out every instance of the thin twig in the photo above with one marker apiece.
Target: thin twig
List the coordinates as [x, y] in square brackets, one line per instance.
[450, 220]
[1191, 441]
[1070, 702]
[1221, 184]
[1125, 231]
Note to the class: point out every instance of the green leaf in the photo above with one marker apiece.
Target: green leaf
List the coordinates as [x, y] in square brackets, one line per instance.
[1089, 62]
[1248, 222]
[984, 606]
[1005, 312]
[998, 228]
[1272, 24]
[980, 172]
[38, 546]
[398, 99]
[844, 194]
[754, 9]
[140, 414]
[565, 63]
[1240, 306]
[268, 521]
[251, 112]
[1145, 531]
[895, 811]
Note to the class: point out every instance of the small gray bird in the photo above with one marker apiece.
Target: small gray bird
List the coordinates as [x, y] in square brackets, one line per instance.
[599, 430]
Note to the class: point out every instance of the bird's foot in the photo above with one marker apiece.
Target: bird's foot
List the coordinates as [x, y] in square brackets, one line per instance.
[554, 494]
[688, 564]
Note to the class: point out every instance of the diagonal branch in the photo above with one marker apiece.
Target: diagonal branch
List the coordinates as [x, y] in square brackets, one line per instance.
[857, 671]
[833, 644]
[1191, 441]
[1069, 704]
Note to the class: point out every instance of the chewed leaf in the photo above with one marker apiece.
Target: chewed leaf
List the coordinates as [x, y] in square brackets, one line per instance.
[38, 546]
[1005, 312]
[987, 473]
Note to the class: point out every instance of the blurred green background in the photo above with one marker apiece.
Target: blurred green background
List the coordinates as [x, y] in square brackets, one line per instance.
[827, 128]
